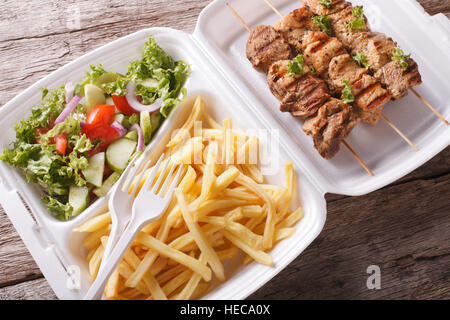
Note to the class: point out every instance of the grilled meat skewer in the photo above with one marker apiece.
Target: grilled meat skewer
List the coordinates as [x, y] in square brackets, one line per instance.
[377, 47]
[303, 95]
[332, 62]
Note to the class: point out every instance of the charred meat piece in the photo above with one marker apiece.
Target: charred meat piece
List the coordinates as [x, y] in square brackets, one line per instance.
[343, 67]
[332, 123]
[377, 47]
[341, 20]
[266, 46]
[320, 9]
[295, 25]
[301, 95]
[369, 93]
[319, 49]
[398, 80]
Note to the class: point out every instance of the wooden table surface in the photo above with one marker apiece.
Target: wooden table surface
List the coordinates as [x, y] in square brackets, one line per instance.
[403, 228]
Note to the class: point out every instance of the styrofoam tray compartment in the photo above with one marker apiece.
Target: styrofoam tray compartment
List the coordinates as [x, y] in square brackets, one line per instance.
[54, 245]
[383, 150]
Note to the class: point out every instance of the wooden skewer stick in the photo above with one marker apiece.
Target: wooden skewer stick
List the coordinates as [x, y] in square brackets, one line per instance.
[429, 106]
[343, 141]
[399, 132]
[393, 126]
[357, 158]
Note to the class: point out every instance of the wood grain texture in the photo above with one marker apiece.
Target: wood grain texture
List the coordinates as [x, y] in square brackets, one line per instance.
[403, 228]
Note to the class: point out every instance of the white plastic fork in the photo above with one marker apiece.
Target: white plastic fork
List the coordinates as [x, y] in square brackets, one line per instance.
[119, 205]
[148, 207]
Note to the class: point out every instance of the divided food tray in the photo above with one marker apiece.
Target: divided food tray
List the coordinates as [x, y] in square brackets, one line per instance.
[231, 88]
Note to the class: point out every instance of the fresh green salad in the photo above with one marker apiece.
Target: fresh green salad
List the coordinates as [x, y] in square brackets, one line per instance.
[77, 143]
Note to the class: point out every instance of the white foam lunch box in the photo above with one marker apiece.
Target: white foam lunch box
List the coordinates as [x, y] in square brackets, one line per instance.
[222, 74]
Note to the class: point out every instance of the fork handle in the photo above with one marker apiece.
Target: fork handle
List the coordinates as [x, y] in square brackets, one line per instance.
[95, 292]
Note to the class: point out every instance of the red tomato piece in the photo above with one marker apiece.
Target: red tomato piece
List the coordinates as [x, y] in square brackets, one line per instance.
[106, 134]
[123, 106]
[61, 143]
[100, 115]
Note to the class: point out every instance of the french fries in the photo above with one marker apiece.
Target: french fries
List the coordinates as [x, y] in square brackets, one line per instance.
[222, 206]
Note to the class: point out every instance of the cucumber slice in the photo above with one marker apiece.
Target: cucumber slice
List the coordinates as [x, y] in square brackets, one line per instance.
[119, 117]
[105, 78]
[155, 121]
[119, 152]
[94, 172]
[78, 199]
[107, 185]
[132, 135]
[146, 126]
[94, 96]
[109, 101]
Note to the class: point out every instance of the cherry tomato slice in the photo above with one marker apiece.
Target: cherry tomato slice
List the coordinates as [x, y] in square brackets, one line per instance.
[105, 133]
[100, 115]
[122, 105]
[61, 143]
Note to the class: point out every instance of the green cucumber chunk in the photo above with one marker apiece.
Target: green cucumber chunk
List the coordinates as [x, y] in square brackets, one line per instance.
[146, 126]
[119, 152]
[107, 185]
[155, 121]
[94, 172]
[132, 135]
[78, 199]
[119, 117]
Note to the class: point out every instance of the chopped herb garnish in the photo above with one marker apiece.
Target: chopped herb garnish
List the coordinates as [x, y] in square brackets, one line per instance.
[296, 66]
[326, 3]
[401, 57]
[324, 23]
[313, 70]
[347, 92]
[358, 23]
[362, 60]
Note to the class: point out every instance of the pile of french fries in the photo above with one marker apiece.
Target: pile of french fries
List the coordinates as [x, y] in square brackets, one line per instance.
[221, 210]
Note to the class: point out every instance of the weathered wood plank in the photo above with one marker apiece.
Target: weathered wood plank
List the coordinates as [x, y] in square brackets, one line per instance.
[31, 290]
[404, 228]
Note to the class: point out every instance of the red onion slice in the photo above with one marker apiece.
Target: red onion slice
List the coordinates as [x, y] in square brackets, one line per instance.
[119, 127]
[69, 87]
[136, 105]
[140, 145]
[68, 109]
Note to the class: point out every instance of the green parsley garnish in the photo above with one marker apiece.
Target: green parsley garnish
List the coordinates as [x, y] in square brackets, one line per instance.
[362, 60]
[326, 3]
[347, 92]
[401, 57]
[313, 70]
[296, 66]
[324, 23]
[358, 23]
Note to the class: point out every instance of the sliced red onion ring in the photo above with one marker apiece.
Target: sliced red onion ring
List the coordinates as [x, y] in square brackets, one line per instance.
[119, 127]
[82, 124]
[69, 87]
[140, 146]
[136, 105]
[68, 109]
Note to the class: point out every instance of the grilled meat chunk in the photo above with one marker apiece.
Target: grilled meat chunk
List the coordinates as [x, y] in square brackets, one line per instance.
[319, 49]
[343, 67]
[377, 47]
[340, 22]
[266, 46]
[332, 123]
[301, 95]
[295, 25]
[320, 9]
[398, 80]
